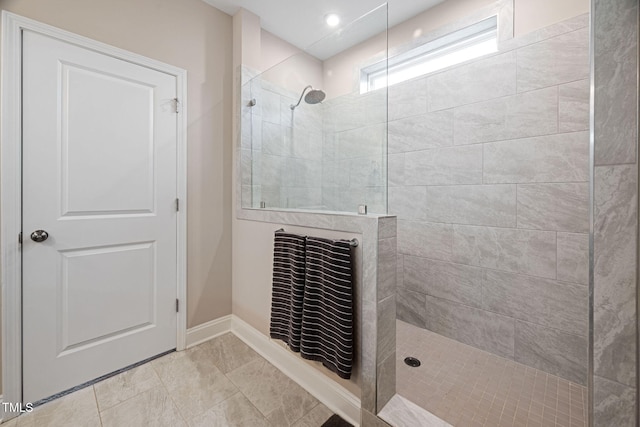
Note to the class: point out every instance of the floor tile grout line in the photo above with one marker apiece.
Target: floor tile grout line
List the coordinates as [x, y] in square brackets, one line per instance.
[129, 398]
[166, 389]
[95, 396]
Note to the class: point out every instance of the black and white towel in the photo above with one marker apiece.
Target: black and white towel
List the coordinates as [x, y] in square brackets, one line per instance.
[288, 288]
[327, 314]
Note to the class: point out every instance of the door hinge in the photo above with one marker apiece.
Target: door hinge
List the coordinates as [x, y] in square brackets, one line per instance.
[177, 305]
[20, 237]
[177, 205]
[177, 101]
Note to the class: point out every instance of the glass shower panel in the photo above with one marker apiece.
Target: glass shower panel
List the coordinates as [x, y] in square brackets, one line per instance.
[489, 162]
[310, 139]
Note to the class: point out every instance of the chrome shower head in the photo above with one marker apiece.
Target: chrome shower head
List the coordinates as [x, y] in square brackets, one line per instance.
[314, 96]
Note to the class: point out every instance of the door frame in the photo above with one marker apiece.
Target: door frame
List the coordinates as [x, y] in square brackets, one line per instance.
[11, 188]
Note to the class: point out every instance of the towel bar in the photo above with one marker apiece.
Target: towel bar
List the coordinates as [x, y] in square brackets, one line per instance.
[354, 242]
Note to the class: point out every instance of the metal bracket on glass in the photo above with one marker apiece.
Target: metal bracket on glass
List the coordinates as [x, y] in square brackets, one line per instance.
[362, 209]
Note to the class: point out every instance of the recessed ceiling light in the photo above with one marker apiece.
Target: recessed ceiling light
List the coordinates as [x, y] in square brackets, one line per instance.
[332, 19]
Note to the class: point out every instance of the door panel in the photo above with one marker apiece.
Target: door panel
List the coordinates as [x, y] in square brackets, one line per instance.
[96, 279]
[92, 141]
[99, 175]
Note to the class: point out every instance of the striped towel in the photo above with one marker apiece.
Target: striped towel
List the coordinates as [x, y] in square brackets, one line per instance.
[288, 288]
[327, 315]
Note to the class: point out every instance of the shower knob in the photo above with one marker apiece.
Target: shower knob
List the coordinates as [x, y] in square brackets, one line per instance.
[39, 236]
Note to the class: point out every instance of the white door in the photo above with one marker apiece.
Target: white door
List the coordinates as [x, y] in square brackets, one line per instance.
[99, 176]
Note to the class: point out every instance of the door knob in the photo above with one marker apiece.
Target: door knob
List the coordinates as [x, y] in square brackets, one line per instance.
[39, 236]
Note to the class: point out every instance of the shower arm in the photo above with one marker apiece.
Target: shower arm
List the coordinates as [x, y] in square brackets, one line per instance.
[293, 107]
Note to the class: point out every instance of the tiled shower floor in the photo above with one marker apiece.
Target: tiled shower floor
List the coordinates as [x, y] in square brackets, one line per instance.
[465, 386]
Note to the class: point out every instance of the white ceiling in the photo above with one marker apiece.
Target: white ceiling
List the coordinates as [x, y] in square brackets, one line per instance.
[301, 22]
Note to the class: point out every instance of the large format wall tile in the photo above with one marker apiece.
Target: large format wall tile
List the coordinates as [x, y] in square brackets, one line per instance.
[573, 258]
[335, 173]
[444, 166]
[523, 251]
[368, 342]
[273, 170]
[303, 120]
[453, 282]
[558, 206]
[340, 114]
[400, 271]
[552, 351]
[270, 104]
[560, 59]
[616, 74]
[271, 195]
[517, 116]
[425, 239]
[482, 329]
[301, 173]
[304, 144]
[541, 301]
[273, 139]
[492, 205]
[246, 163]
[395, 169]
[559, 28]
[615, 28]
[351, 197]
[554, 158]
[386, 328]
[302, 197]
[614, 404]
[476, 151]
[480, 80]
[408, 99]
[421, 132]
[410, 307]
[387, 267]
[366, 141]
[615, 260]
[408, 202]
[573, 106]
[366, 171]
[280, 141]
[386, 387]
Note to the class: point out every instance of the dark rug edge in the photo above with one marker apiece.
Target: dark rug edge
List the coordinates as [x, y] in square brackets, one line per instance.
[336, 421]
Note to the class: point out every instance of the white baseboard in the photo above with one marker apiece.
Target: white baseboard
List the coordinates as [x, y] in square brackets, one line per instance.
[206, 331]
[332, 395]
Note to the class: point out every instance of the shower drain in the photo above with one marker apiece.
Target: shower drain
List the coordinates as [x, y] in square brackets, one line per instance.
[412, 361]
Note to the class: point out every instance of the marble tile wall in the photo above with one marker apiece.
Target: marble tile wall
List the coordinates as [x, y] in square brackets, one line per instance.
[615, 258]
[386, 311]
[281, 149]
[354, 159]
[488, 175]
[329, 156]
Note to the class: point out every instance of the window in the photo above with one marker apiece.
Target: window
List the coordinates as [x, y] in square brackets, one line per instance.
[463, 45]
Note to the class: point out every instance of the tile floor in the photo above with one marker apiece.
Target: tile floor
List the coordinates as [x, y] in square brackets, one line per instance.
[465, 386]
[221, 382]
